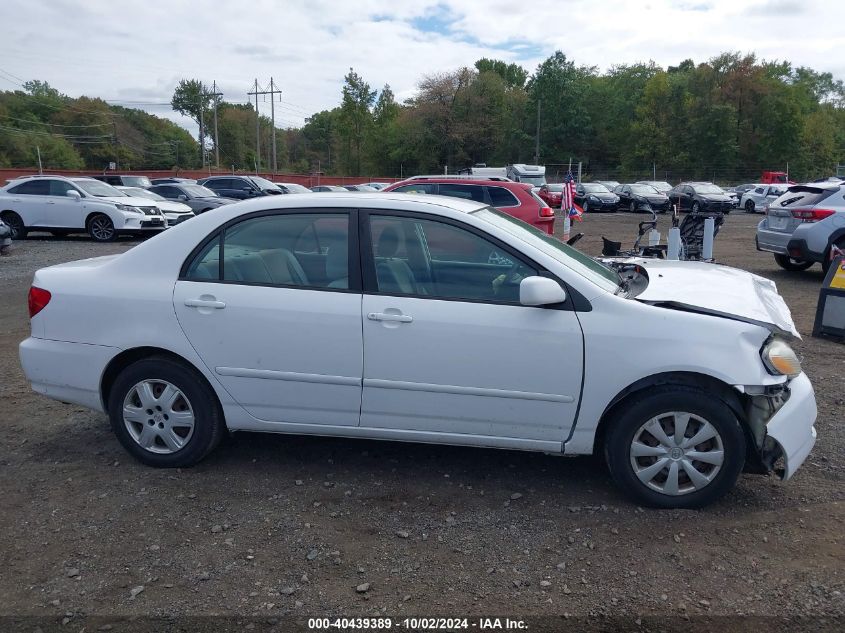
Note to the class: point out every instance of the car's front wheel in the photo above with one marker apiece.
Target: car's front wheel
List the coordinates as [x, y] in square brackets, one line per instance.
[165, 414]
[101, 228]
[632, 207]
[675, 447]
[696, 207]
[790, 263]
[15, 223]
[750, 207]
[586, 206]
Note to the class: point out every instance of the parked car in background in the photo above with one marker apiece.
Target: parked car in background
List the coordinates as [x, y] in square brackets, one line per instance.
[514, 198]
[328, 189]
[292, 187]
[360, 188]
[124, 180]
[741, 189]
[638, 197]
[62, 205]
[461, 326]
[173, 180]
[700, 196]
[661, 185]
[759, 197]
[175, 212]
[551, 194]
[802, 224]
[200, 199]
[240, 187]
[594, 196]
[610, 184]
[378, 185]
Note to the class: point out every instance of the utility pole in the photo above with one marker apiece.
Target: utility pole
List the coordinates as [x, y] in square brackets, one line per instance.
[272, 92]
[216, 95]
[202, 128]
[537, 139]
[273, 119]
[257, 128]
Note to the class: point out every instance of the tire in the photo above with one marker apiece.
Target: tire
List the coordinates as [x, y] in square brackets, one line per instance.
[15, 224]
[750, 207]
[659, 406]
[696, 207]
[789, 263]
[632, 207]
[101, 228]
[143, 419]
[826, 261]
[586, 206]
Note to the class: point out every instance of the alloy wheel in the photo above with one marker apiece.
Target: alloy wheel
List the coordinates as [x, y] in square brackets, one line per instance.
[676, 453]
[102, 228]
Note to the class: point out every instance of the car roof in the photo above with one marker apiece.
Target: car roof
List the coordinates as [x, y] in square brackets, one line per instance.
[360, 200]
[445, 180]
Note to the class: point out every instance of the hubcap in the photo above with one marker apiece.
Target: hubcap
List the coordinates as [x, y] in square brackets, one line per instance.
[677, 453]
[158, 416]
[102, 228]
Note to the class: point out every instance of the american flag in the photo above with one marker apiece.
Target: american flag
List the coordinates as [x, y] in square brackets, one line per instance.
[568, 202]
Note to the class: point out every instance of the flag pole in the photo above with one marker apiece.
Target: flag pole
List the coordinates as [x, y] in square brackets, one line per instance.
[567, 222]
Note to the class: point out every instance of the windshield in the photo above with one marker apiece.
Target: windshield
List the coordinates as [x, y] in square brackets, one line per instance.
[644, 190]
[592, 187]
[198, 191]
[294, 188]
[98, 189]
[263, 183]
[136, 181]
[143, 193]
[658, 184]
[707, 189]
[537, 181]
[554, 187]
[572, 258]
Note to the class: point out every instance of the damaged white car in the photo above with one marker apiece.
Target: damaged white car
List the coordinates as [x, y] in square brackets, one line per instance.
[427, 319]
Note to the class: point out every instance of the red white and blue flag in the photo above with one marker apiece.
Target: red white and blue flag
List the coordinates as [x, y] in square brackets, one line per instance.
[568, 201]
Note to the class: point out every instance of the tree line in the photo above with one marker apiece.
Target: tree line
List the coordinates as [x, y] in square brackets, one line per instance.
[726, 119]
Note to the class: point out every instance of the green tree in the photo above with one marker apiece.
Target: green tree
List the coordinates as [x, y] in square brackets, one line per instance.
[355, 118]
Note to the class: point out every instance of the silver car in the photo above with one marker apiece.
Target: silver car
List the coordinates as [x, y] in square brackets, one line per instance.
[757, 198]
[802, 224]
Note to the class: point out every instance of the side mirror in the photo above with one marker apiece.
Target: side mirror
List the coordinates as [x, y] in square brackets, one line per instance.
[540, 291]
[182, 197]
[73, 193]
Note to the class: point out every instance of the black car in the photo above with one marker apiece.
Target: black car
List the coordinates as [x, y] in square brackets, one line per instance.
[241, 187]
[124, 180]
[701, 196]
[199, 198]
[172, 180]
[594, 196]
[636, 197]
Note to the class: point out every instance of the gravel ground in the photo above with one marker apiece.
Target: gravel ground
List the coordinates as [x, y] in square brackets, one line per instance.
[279, 525]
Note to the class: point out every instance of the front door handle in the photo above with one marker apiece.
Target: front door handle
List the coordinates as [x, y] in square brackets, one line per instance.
[383, 316]
[205, 303]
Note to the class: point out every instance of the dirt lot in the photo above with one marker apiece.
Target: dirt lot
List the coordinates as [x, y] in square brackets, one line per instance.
[274, 525]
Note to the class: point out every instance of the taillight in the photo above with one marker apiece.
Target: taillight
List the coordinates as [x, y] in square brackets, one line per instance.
[38, 300]
[547, 212]
[811, 215]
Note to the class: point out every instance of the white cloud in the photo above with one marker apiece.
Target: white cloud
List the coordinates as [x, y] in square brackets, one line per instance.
[138, 50]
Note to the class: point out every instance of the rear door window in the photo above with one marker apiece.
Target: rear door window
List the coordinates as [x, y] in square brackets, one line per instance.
[418, 187]
[466, 192]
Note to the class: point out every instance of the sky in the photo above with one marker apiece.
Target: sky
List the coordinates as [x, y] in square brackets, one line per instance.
[134, 53]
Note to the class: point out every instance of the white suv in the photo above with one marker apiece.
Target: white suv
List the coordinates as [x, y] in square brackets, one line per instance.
[63, 205]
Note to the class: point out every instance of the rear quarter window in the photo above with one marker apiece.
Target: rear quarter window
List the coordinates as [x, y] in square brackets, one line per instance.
[501, 197]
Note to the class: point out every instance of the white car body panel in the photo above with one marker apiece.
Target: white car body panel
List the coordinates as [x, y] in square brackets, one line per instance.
[323, 357]
[719, 290]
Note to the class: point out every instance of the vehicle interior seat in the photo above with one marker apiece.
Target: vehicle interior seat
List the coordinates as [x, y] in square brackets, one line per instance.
[337, 265]
[393, 274]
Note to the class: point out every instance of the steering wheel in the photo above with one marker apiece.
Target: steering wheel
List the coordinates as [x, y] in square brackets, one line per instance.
[508, 279]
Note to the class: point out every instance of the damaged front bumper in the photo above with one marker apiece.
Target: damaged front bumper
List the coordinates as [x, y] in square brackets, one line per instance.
[782, 426]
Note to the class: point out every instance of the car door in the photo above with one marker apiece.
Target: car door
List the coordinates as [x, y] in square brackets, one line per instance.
[29, 200]
[449, 353]
[285, 344]
[64, 211]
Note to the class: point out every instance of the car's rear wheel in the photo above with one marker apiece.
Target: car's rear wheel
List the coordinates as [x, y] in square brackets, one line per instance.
[749, 206]
[675, 447]
[791, 263]
[15, 224]
[101, 228]
[826, 261]
[165, 414]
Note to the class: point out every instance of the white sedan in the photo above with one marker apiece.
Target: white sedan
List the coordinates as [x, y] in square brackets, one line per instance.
[428, 319]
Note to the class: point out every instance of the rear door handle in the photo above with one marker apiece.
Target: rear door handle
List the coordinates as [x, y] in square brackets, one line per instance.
[205, 303]
[382, 316]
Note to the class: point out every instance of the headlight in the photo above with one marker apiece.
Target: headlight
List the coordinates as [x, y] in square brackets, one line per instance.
[127, 209]
[593, 198]
[780, 359]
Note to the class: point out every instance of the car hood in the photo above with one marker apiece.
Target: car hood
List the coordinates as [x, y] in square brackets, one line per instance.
[172, 207]
[717, 198]
[717, 290]
[129, 201]
[218, 200]
[603, 196]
